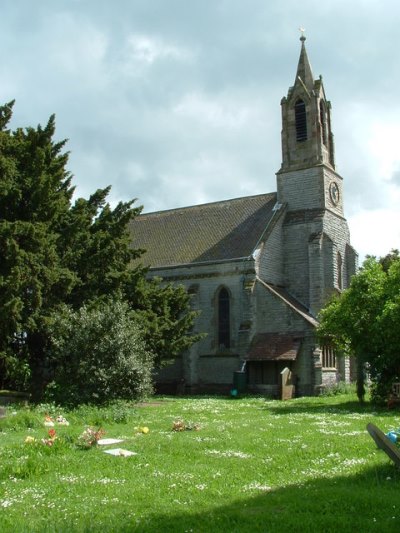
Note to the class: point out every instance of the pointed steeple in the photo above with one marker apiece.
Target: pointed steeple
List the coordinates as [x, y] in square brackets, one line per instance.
[316, 251]
[307, 138]
[304, 71]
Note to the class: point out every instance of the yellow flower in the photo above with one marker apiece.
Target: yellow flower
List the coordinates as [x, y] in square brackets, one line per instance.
[144, 430]
[29, 439]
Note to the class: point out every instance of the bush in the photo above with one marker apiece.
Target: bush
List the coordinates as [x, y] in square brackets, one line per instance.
[336, 389]
[98, 355]
[21, 418]
[380, 391]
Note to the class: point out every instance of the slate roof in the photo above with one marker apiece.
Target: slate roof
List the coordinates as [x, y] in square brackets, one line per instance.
[275, 347]
[290, 301]
[216, 231]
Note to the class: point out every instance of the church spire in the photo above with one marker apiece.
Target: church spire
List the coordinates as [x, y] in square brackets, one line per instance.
[307, 138]
[304, 71]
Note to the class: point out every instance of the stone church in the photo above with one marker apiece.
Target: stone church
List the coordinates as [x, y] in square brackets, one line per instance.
[260, 268]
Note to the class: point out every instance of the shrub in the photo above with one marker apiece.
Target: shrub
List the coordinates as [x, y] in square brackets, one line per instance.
[98, 355]
[336, 389]
[21, 418]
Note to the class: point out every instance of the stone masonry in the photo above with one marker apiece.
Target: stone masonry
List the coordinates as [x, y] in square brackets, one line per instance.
[260, 268]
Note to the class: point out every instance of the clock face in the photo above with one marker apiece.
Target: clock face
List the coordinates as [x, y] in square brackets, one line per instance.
[334, 192]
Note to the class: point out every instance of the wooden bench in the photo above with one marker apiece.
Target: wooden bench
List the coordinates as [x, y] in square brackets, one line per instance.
[394, 397]
[384, 444]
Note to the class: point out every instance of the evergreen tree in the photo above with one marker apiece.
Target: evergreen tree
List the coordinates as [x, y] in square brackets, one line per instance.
[164, 312]
[55, 251]
[35, 193]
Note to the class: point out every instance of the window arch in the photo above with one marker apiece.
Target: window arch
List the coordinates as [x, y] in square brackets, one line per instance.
[322, 118]
[301, 120]
[224, 320]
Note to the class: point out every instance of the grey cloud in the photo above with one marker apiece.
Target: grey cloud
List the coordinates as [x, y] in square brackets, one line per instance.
[396, 178]
[191, 112]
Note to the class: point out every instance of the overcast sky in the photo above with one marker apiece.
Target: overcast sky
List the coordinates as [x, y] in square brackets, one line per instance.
[177, 102]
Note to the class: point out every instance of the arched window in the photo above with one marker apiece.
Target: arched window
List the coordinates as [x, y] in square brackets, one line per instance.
[322, 118]
[301, 120]
[224, 329]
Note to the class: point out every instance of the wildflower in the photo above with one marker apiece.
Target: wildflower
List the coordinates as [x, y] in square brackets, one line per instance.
[29, 439]
[257, 486]
[51, 438]
[48, 421]
[144, 430]
[228, 453]
[6, 503]
[62, 421]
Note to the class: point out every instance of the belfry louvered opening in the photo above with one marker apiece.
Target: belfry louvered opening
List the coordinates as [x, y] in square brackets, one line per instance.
[301, 120]
[322, 117]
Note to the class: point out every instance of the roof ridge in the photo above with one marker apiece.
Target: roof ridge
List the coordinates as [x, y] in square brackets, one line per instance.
[174, 209]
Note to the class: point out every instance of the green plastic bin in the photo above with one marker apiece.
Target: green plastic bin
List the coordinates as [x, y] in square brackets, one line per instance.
[240, 380]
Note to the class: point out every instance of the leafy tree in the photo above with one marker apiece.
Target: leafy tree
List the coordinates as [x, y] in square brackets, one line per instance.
[363, 322]
[56, 251]
[387, 260]
[99, 354]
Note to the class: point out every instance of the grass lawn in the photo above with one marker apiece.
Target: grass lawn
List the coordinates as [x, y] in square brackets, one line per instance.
[253, 465]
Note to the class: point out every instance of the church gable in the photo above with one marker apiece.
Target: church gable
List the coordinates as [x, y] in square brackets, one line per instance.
[212, 232]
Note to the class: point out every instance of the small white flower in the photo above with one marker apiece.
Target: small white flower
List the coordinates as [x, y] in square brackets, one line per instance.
[6, 503]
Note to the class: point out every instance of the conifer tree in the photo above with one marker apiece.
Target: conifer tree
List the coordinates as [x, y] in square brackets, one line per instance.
[56, 251]
[35, 194]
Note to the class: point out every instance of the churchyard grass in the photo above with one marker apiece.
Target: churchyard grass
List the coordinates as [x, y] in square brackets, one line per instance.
[244, 465]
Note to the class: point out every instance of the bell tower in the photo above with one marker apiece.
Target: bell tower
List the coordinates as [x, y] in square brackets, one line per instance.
[307, 137]
[318, 257]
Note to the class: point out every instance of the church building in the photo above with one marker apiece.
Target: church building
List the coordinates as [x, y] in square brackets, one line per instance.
[260, 268]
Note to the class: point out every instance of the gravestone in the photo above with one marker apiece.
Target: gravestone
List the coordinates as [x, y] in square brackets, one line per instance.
[287, 387]
[384, 443]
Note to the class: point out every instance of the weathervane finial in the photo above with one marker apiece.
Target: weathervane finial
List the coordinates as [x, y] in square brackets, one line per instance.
[303, 37]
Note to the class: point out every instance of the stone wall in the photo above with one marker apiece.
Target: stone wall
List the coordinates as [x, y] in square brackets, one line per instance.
[205, 363]
[274, 316]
